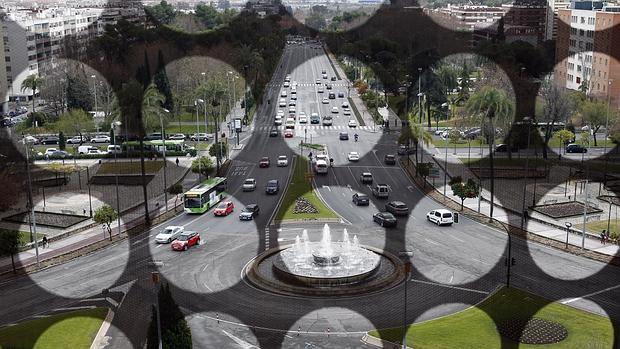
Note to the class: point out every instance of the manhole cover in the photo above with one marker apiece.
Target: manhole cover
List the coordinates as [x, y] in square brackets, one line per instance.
[532, 331]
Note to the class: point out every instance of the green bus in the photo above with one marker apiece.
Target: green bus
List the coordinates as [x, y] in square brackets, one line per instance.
[204, 196]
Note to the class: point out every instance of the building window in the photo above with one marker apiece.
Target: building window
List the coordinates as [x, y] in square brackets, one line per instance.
[578, 80]
[583, 20]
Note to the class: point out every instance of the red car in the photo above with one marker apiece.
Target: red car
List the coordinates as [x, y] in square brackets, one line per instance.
[264, 162]
[288, 133]
[224, 209]
[186, 240]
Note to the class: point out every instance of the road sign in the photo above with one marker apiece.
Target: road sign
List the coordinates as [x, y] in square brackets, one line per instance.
[238, 125]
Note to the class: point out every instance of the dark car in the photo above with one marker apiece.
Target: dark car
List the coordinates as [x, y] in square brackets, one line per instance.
[249, 212]
[272, 187]
[274, 133]
[343, 136]
[60, 154]
[315, 119]
[153, 136]
[328, 86]
[333, 78]
[503, 148]
[576, 148]
[389, 159]
[360, 199]
[397, 208]
[384, 219]
[340, 94]
[264, 162]
[366, 178]
[6, 122]
[50, 140]
[403, 150]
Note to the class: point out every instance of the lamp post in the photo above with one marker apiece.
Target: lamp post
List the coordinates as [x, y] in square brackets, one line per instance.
[33, 219]
[606, 132]
[568, 225]
[163, 139]
[526, 119]
[445, 170]
[420, 94]
[118, 203]
[245, 93]
[204, 79]
[406, 255]
[198, 137]
[585, 213]
[95, 89]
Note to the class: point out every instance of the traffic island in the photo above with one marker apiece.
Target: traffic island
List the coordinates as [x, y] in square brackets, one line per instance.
[522, 320]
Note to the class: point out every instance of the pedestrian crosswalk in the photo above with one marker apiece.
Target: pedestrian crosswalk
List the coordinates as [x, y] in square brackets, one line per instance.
[316, 127]
[309, 84]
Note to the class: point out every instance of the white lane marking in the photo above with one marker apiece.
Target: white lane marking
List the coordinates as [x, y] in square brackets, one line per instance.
[327, 187]
[591, 294]
[207, 286]
[480, 261]
[455, 238]
[76, 308]
[205, 268]
[447, 286]
[432, 242]
[410, 188]
[243, 344]
[277, 329]
[451, 278]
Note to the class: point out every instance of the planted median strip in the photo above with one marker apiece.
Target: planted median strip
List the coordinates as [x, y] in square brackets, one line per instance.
[300, 196]
[562, 326]
[75, 330]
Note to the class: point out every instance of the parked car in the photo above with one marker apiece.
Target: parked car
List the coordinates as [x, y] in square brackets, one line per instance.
[503, 148]
[264, 162]
[360, 199]
[154, 136]
[224, 208]
[328, 121]
[59, 154]
[366, 178]
[272, 187]
[397, 208]
[440, 217]
[249, 212]
[249, 184]
[282, 161]
[186, 240]
[177, 136]
[84, 149]
[75, 140]
[384, 219]
[404, 150]
[169, 234]
[343, 136]
[576, 148]
[95, 151]
[389, 159]
[100, 139]
[49, 151]
[31, 140]
[114, 149]
[50, 140]
[381, 191]
[199, 137]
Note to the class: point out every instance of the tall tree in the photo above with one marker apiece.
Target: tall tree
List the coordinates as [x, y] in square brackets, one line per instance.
[75, 122]
[595, 114]
[501, 35]
[106, 215]
[79, 93]
[32, 83]
[9, 245]
[491, 105]
[152, 110]
[163, 12]
[557, 107]
[162, 82]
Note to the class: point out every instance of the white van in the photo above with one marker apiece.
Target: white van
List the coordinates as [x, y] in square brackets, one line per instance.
[290, 123]
[85, 149]
[114, 149]
[282, 103]
[278, 120]
[320, 167]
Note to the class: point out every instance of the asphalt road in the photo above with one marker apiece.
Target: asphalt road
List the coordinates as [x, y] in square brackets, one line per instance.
[454, 267]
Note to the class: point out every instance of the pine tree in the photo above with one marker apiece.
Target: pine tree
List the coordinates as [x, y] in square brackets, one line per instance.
[162, 82]
[501, 35]
[174, 328]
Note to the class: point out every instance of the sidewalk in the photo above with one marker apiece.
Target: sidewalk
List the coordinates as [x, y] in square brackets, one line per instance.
[535, 225]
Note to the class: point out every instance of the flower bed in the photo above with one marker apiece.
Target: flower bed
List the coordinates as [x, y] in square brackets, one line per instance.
[564, 209]
[304, 206]
[50, 219]
[533, 331]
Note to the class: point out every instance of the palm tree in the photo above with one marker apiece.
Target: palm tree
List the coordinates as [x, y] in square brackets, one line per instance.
[32, 82]
[491, 105]
[152, 107]
[418, 135]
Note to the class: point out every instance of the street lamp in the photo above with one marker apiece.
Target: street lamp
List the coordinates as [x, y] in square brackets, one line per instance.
[527, 120]
[445, 170]
[198, 136]
[568, 225]
[163, 139]
[606, 131]
[118, 204]
[420, 94]
[406, 255]
[95, 88]
[33, 219]
[204, 78]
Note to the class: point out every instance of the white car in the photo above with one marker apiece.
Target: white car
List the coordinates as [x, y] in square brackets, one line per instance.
[283, 93]
[280, 112]
[320, 90]
[303, 119]
[249, 184]
[439, 131]
[278, 120]
[291, 110]
[199, 137]
[287, 78]
[286, 84]
[282, 160]
[100, 139]
[353, 156]
[440, 216]
[318, 81]
[335, 110]
[169, 234]
[292, 103]
[50, 151]
[325, 101]
[282, 103]
[75, 140]
[30, 140]
[327, 121]
[177, 137]
[94, 151]
[293, 96]
[352, 123]
[345, 105]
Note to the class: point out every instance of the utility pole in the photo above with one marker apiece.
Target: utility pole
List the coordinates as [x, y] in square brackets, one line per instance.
[527, 171]
[32, 212]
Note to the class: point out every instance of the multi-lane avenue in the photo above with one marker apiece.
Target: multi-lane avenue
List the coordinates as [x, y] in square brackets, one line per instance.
[453, 267]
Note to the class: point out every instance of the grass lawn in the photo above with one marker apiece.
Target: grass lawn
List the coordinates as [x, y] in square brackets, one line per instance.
[313, 146]
[24, 236]
[68, 330]
[126, 167]
[598, 226]
[300, 187]
[440, 143]
[505, 162]
[473, 328]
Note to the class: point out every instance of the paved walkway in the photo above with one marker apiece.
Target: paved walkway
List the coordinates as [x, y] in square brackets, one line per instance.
[546, 228]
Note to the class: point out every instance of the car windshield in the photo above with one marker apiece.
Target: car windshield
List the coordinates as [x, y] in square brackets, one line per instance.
[222, 205]
[447, 215]
[166, 231]
[184, 237]
[362, 196]
[192, 202]
[248, 209]
[388, 216]
[249, 181]
[282, 158]
[400, 205]
[389, 157]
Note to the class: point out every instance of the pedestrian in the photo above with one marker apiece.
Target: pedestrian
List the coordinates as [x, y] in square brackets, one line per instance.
[607, 237]
[44, 241]
[603, 237]
[177, 161]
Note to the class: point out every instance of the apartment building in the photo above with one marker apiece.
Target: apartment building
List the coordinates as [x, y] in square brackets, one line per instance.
[529, 14]
[551, 23]
[466, 17]
[585, 50]
[3, 80]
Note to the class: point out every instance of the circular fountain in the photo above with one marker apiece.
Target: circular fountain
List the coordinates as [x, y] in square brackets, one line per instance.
[325, 267]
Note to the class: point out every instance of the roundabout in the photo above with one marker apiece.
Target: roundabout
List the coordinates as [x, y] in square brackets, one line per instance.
[326, 268]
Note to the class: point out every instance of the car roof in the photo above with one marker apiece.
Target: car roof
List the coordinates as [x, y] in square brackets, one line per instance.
[251, 205]
[361, 195]
[366, 174]
[397, 203]
[389, 155]
[188, 232]
[442, 210]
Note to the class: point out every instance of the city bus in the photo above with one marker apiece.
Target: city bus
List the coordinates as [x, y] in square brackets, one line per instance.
[204, 196]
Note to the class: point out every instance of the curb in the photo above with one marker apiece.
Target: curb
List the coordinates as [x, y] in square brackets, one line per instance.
[98, 341]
